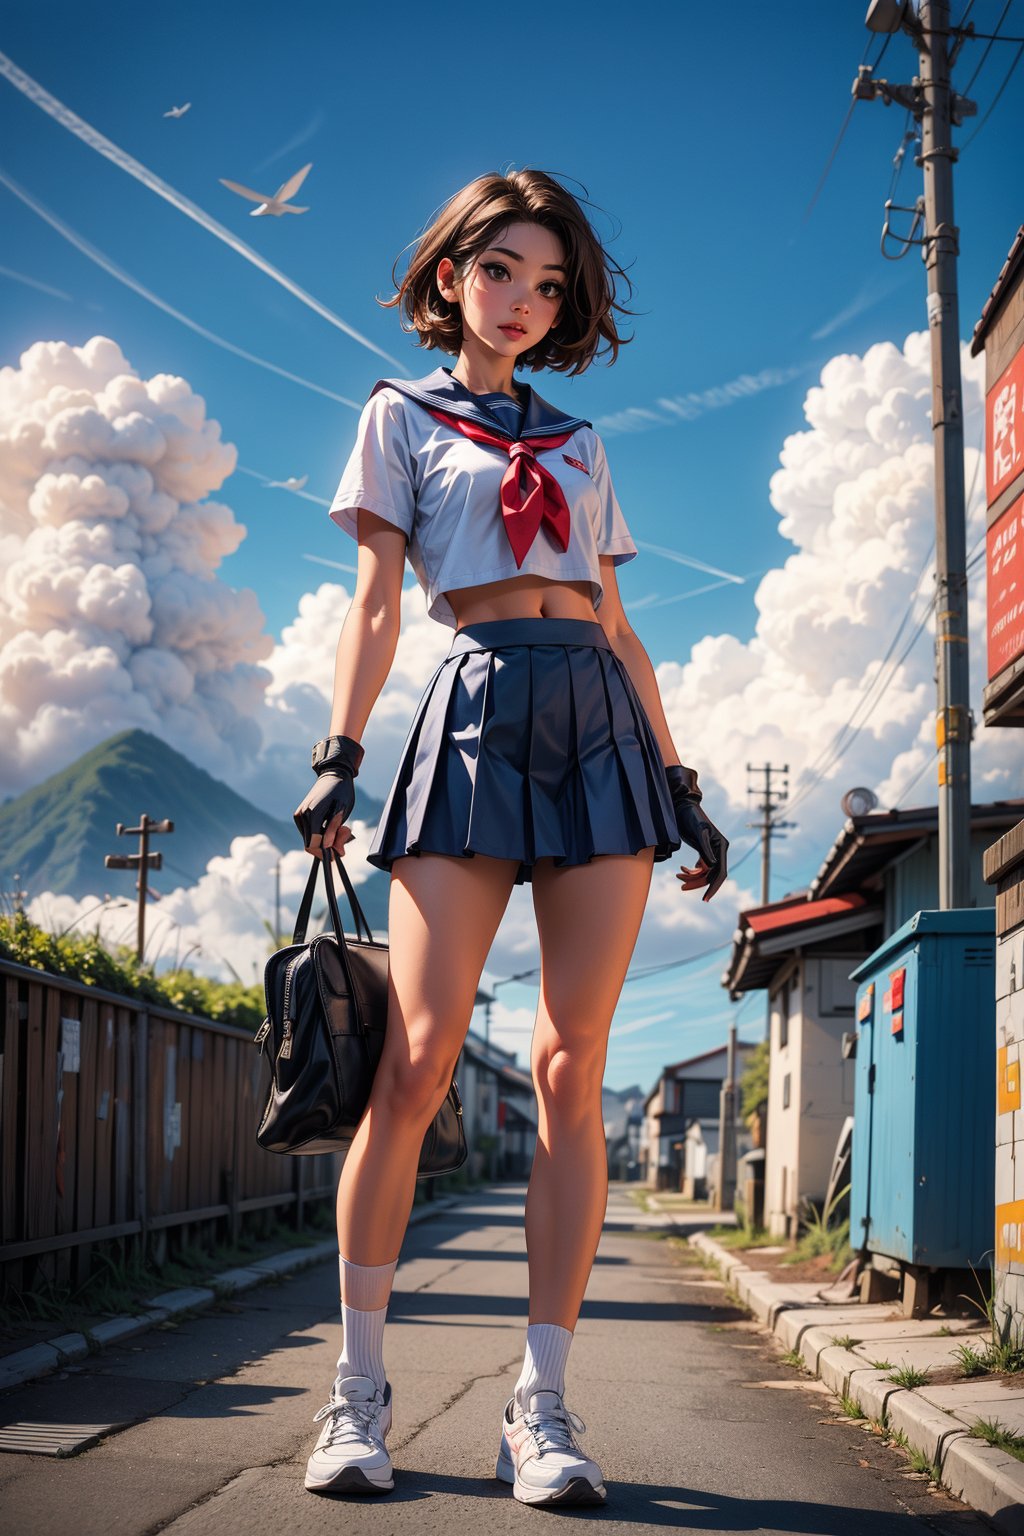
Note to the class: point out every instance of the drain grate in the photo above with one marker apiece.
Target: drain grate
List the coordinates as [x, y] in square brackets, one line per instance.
[51, 1439]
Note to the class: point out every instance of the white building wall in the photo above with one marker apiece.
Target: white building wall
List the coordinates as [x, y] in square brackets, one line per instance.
[826, 1080]
[781, 1149]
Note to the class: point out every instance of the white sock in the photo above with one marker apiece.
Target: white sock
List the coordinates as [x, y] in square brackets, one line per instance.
[362, 1348]
[547, 1350]
[365, 1291]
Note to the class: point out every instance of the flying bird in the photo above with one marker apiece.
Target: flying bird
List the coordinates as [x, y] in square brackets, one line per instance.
[293, 483]
[178, 111]
[277, 204]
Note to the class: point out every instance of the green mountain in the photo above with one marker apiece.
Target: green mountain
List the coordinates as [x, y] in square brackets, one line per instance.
[55, 835]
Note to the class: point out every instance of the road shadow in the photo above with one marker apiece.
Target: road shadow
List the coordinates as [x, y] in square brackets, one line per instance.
[682, 1508]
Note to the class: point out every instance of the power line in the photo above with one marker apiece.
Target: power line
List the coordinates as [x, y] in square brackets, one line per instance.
[995, 100]
[985, 53]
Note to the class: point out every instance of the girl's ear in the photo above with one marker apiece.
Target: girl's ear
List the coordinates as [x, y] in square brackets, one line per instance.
[445, 279]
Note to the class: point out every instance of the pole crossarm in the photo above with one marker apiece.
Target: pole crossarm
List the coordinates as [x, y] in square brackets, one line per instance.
[143, 861]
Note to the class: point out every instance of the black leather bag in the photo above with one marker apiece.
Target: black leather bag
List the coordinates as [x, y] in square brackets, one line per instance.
[327, 1005]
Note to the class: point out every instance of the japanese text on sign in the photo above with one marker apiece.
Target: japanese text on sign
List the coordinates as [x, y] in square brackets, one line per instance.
[1004, 428]
[1005, 588]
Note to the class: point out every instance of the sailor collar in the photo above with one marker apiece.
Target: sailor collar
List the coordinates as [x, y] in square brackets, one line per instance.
[440, 391]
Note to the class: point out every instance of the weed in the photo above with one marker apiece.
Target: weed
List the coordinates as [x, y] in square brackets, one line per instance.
[909, 1376]
[881, 1365]
[739, 1237]
[1006, 1349]
[850, 1406]
[844, 1341]
[970, 1360]
[994, 1433]
[945, 1329]
[898, 1437]
[920, 1463]
[819, 1237]
[794, 1358]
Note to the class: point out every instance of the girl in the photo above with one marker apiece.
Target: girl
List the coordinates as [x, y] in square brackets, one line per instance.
[538, 752]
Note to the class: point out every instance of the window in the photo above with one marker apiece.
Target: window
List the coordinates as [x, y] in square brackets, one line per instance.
[785, 1091]
[784, 1013]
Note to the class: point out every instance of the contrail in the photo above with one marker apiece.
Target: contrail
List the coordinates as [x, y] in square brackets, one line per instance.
[114, 270]
[33, 282]
[697, 565]
[95, 140]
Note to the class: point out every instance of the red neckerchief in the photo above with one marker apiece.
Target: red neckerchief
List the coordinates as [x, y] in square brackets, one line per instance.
[530, 494]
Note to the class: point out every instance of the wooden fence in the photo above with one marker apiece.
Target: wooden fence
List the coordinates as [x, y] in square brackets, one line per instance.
[120, 1119]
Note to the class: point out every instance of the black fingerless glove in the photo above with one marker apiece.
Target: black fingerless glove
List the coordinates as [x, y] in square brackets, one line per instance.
[336, 762]
[695, 828]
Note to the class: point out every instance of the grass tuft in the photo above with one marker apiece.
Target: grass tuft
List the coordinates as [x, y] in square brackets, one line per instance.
[996, 1434]
[909, 1376]
[971, 1361]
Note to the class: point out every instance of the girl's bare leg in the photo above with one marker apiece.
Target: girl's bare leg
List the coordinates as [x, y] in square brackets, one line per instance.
[443, 915]
[588, 919]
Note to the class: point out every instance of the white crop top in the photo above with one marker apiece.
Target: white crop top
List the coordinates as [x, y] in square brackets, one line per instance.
[443, 490]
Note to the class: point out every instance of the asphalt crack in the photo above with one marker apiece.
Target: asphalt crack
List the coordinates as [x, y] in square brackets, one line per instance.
[456, 1397]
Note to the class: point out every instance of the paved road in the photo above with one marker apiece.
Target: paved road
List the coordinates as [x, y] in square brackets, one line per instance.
[696, 1423]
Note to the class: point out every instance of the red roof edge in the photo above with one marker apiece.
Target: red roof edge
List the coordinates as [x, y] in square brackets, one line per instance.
[797, 914]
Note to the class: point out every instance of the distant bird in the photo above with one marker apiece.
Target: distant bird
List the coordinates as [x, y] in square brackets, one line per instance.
[178, 111]
[277, 204]
[293, 483]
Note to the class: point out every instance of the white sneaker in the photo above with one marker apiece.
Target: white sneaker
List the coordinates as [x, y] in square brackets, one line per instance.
[539, 1456]
[350, 1455]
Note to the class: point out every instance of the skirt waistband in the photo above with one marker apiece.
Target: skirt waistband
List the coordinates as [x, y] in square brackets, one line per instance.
[492, 634]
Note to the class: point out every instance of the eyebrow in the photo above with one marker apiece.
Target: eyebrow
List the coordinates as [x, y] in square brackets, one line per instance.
[550, 266]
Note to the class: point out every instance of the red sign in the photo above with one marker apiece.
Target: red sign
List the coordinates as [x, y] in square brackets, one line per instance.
[1004, 428]
[1005, 586]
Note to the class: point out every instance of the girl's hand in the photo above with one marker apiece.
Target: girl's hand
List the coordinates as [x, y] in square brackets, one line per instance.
[699, 832]
[322, 815]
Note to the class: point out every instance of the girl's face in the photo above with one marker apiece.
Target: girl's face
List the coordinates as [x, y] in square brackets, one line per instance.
[512, 293]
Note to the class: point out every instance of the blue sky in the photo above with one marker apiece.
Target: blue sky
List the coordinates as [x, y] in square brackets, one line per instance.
[703, 132]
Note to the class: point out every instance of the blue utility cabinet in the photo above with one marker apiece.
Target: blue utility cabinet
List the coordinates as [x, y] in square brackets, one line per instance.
[923, 1163]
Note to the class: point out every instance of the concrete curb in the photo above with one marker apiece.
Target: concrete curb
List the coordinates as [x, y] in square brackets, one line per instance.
[989, 1480]
[68, 1348]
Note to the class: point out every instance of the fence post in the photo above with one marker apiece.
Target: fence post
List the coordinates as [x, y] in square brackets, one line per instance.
[300, 1196]
[140, 1127]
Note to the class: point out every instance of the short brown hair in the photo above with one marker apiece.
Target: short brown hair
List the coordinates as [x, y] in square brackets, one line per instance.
[469, 222]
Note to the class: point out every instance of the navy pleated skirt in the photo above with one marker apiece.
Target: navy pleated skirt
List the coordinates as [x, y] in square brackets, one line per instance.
[529, 740]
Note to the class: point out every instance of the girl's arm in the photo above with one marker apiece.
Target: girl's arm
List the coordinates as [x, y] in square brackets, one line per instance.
[369, 635]
[631, 653]
[366, 649]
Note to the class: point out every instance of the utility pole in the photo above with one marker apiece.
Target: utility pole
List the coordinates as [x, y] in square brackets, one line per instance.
[770, 798]
[767, 825]
[727, 1129]
[932, 101]
[143, 861]
[17, 897]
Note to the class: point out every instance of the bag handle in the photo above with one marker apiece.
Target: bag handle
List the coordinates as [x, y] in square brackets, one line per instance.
[306, 904]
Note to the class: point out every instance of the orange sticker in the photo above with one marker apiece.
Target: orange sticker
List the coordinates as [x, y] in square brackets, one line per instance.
[1010, 1233]
[1007, 1081]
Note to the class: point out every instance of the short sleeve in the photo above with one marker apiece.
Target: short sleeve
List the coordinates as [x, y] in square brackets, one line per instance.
[379, 472]
[613, 536]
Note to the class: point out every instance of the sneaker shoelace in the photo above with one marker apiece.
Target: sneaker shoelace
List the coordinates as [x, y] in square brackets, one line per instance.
[350, 1419]
[552, 1429]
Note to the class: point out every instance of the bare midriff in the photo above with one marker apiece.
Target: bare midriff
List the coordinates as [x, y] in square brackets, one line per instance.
[522, 597]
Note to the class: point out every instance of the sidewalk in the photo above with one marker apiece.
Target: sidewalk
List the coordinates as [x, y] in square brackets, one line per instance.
[65, 1349]
[934, 1418]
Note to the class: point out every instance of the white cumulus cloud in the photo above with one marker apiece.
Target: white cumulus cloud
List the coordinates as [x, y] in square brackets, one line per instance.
[854, 495]
[112, 613]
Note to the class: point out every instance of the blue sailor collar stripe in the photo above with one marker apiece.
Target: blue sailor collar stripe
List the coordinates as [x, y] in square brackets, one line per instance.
[439, 391]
